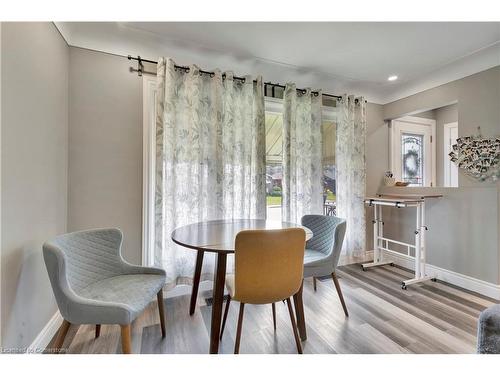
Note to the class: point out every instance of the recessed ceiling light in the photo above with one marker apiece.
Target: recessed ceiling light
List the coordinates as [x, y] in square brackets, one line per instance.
[392, 78]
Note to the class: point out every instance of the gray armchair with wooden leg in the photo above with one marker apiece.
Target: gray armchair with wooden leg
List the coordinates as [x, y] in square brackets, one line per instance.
[94, 285]
[268, 269]
[323, 249]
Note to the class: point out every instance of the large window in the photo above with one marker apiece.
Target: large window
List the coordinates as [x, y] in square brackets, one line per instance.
[274, 158]
[274, 168]
[329, 132]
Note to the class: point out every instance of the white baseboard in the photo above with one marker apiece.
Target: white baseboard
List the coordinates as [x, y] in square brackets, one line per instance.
[45, 335]
[463, 281]
[181, 290]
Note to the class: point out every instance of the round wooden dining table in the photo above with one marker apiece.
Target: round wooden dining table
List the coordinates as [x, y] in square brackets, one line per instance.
[218, 236]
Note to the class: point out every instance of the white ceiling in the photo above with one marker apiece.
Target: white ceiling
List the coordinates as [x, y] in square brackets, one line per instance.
[337, 57]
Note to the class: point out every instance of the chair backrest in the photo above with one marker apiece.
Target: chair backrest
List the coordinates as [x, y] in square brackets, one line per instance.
[268, 264]
[328, 234]
[82, 258]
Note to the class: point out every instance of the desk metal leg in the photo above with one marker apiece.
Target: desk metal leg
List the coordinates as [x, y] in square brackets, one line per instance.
[420, 249]
[382, 243]
[377, 232]
[423, 228]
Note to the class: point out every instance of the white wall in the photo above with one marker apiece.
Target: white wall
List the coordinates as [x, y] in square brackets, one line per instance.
[465, 222]
[105, 147]
[34, 167]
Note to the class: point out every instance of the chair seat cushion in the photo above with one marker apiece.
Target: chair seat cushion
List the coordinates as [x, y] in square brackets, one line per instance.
[313, 257]
[130, 292]
[317, 263]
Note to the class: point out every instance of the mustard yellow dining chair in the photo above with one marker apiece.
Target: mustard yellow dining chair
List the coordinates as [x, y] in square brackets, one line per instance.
[268, 268]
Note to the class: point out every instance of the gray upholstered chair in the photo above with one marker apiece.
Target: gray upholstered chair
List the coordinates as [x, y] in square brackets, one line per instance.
[94, 285]
[323, 249]
[488, 331]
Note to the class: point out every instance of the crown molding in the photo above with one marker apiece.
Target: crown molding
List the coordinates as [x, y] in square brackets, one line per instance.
[119, 39]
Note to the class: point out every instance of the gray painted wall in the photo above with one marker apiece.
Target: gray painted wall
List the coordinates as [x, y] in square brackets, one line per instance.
[33, 172]
[427, 114]
[463, 229]
[105, 147]
[467, 217]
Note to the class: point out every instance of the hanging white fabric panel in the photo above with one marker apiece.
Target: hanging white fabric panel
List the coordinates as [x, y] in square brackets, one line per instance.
[302, 164]
[351, 171]
[210, 158]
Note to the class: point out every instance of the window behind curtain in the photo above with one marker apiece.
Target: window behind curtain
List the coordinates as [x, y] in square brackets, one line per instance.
[274, 168]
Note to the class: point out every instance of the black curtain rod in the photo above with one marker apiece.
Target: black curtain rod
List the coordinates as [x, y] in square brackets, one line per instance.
[140, 70]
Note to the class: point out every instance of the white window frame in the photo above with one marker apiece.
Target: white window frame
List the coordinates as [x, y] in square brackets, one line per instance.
[148, 169]
[447, 163]
[395, 155]
[271, 105]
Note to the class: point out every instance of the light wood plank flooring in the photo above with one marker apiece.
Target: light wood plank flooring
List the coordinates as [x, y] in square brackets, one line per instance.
[426, 318]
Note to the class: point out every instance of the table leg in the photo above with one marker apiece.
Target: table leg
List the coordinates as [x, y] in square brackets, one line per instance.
[218, 298]
[196, 281]
[299, 311]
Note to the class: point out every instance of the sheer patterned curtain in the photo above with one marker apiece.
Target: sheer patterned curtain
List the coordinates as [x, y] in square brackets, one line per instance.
[302, 166]
[351, 174]
[210, 158]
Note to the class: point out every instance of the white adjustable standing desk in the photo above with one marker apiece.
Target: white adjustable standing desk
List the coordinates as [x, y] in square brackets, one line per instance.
[382, 243]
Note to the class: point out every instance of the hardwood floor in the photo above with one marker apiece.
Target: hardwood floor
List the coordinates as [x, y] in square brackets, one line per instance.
[383, 318]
